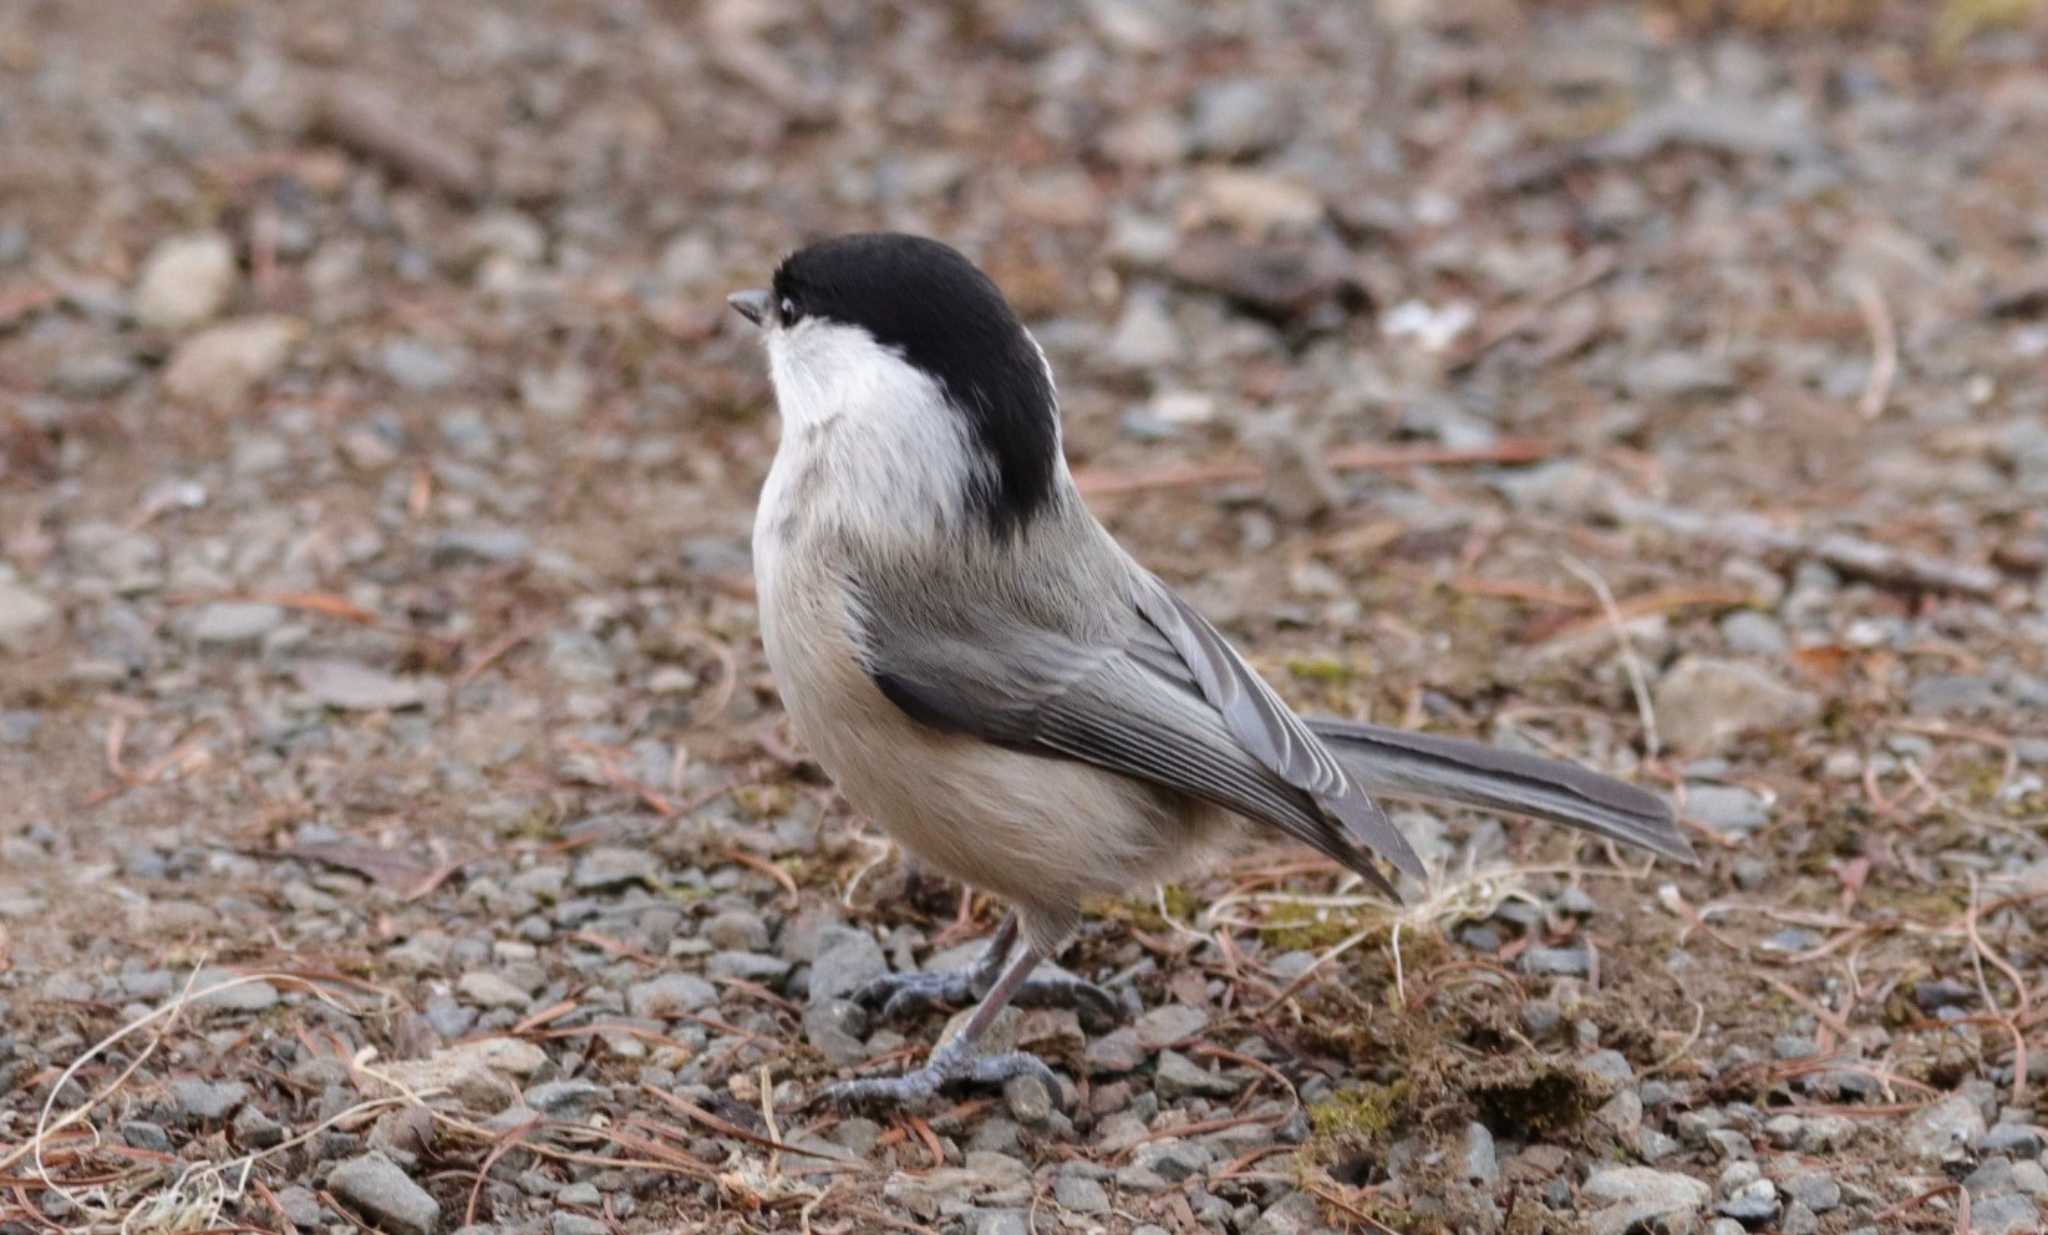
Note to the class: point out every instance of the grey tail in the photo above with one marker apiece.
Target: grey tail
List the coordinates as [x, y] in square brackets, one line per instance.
[1399, 763]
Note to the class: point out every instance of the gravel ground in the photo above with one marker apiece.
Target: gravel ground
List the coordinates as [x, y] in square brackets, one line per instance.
[400, 827]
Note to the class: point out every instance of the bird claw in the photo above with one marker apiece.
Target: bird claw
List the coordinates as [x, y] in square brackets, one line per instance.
[899, 996]
[947, 1068]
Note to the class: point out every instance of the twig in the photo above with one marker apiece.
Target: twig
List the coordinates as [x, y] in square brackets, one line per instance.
[1884, 345]
[1636, 680]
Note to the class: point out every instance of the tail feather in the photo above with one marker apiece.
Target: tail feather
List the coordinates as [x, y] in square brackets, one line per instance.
[1398, 763]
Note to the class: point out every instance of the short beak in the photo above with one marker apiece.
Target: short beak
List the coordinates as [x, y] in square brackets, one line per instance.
[752, 305]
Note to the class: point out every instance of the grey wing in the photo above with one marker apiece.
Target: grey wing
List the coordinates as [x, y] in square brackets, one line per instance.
[1136, 711]
[1260, 721]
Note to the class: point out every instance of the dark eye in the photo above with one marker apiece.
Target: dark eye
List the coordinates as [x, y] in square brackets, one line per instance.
[789, 310]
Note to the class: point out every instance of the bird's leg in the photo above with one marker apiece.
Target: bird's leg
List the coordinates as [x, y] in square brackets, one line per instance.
[899, 995]
[954, 1062]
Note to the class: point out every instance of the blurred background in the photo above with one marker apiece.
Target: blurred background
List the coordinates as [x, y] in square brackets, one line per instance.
[1661, 385]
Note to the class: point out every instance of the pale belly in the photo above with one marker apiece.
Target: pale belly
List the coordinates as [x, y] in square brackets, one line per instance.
[1039, 832]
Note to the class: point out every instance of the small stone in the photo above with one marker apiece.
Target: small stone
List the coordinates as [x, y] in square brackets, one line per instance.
[486, 545]
[253, 1129]
[1540, 1018]
[243, 996]
[846, 960]
[1703, 704]
[608, 868]
[1556, 962]
[488, 990]
[1727, 808]
[736, 929]
[1755, 1203]
[94, 374]
[1241, 117]
[377, 1189]
[666, 997]
[1079, 1194]
[1027, 1099]
[560, 392]
[1943, 1132]
[1817, 1190]
[219, 366]
[1145, 337]
[421, 366]
[185, 281]
[1952, 694]
[141, 1134]
[1168, 1024]
[1179, 1077]
[230, 623]
[22, 614]
[1113, 1052]
[577, 1224]
[1799, 1220]
[199, 1101]
[1294, 1214]
[301, 1207]
[569, 1100]
[1641, 1196]
[1610, 1066]
[1750, 633]
[350, 687]
[1481, 1165]
[2011, 1214]
[2011, 1140]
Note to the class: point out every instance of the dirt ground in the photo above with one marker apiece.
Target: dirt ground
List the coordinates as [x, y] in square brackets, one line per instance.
[399, 827]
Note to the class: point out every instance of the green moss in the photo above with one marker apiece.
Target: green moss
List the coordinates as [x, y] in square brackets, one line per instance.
[1290, 928]
[1326, 669]
[1364, 1115]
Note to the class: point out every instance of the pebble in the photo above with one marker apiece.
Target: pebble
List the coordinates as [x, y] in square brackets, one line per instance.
[739, 930]
[1113, 1052]
[1480, 1166]
[1640, 1196]
[200, 1101]
[1750, 633]
[94, 374]
[2005, 1215]
[1942, 1132]
[142, 1134]
[608, 868]
[577, 1224]
[1727, 808]
[568, 1100]
[1817, 1190]
[227, 623]
[846, 959]
[254, 1129]
[1168, 1024]
[1753, 1203]
[489, 990]
[1079, 1194]
[1556, 962]
[185, 281]
[1241, 117]
[670, 995]
[218, 367]
[347, 686]
[560, 392]
[2012, 1140]
[1703, 704]
[1181, 1077]
[22, 614]
[485, 545]
[421, 366]
[301, 1206]
[1294, 1214]
[386, 1195]
[1145, 336]
[1027, 1099]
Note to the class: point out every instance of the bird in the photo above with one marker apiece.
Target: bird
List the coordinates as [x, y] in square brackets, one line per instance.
[983, 670]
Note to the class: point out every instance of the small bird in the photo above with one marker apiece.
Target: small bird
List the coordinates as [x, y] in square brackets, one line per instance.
[985, 672]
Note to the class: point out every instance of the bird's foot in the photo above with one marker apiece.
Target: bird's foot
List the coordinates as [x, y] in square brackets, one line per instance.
[951, 1065]
[898, 996]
